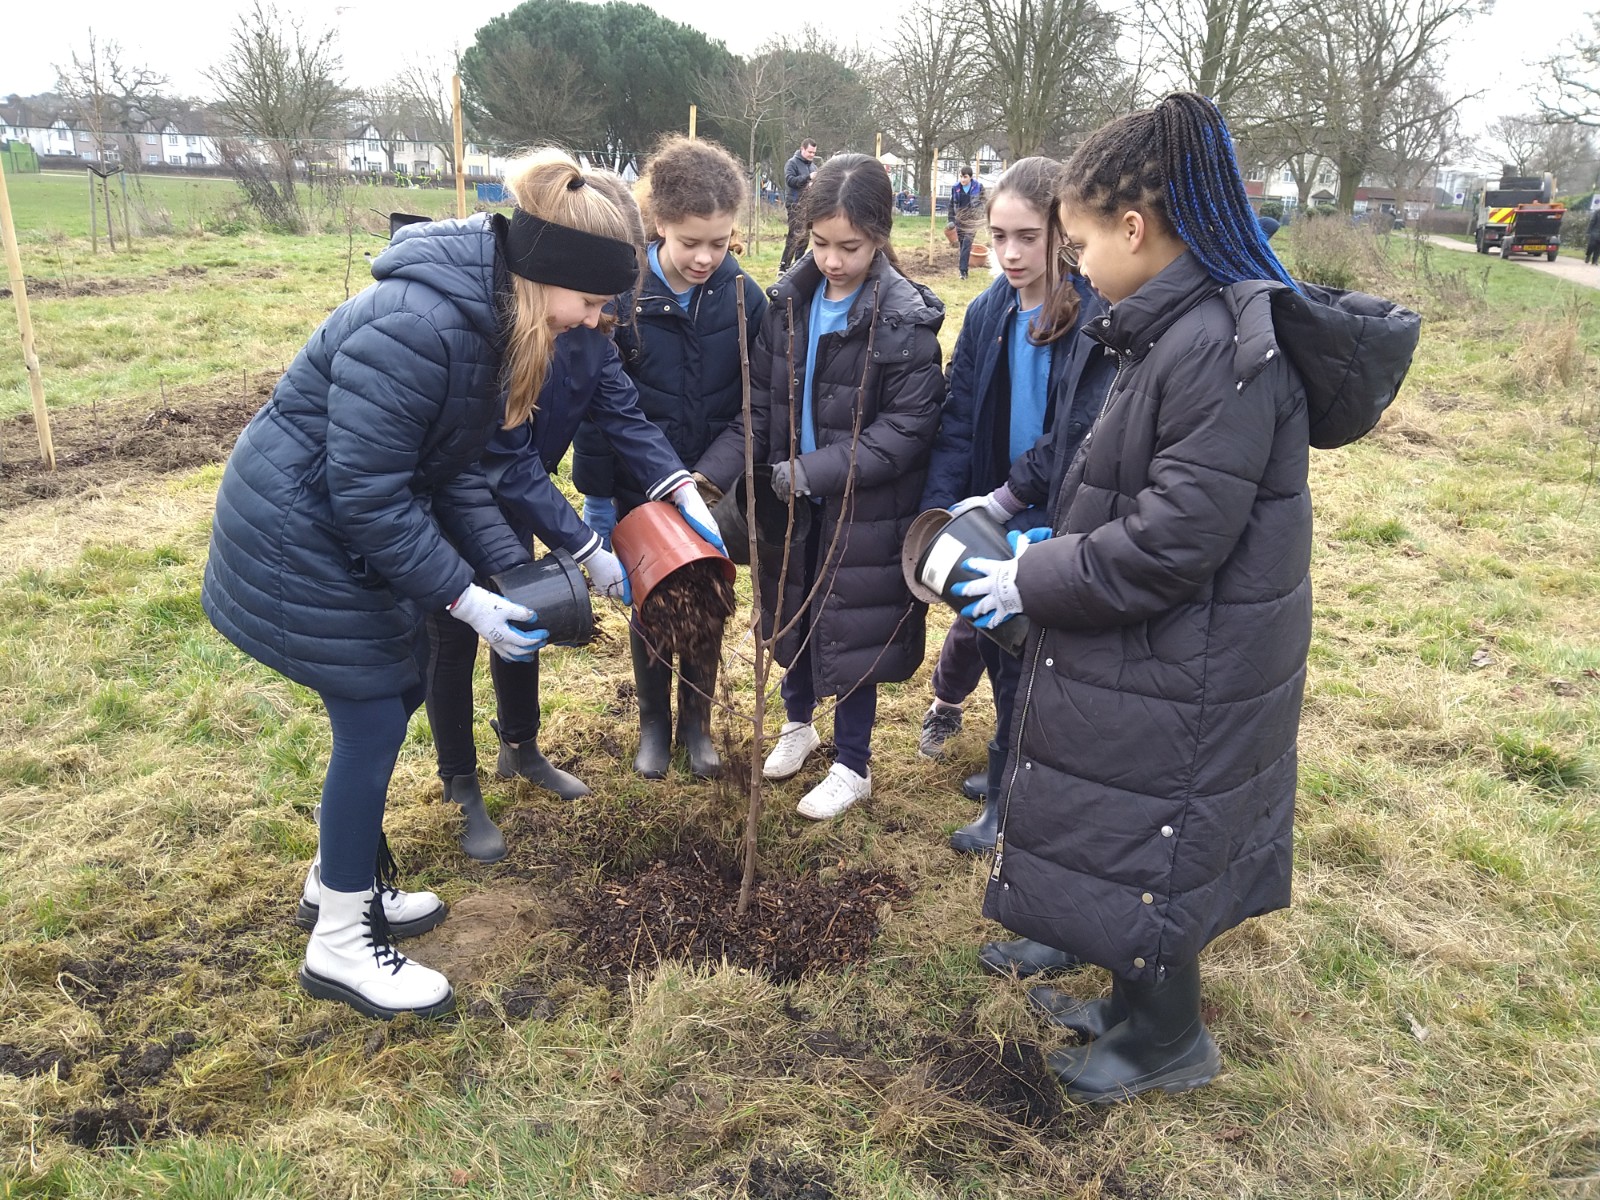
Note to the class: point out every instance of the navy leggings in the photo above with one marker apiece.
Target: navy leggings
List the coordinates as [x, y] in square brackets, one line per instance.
[367, 736]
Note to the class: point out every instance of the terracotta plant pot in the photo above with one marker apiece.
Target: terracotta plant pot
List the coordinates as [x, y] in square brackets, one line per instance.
[931, 559]
[951, 235]
[653, 541]
[979, 256]
[555, 589]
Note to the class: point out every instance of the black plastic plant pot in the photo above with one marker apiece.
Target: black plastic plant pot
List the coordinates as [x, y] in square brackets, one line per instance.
[772, 517]
[555, 589]
[931, 560]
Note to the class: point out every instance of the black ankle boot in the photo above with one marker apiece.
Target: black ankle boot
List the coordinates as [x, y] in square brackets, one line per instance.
[978, 837]
[1024, 958]
[522, 760]
[697, 685]
[652, 684]
[1162, 1044]
[1090, 1018]
[481, 840]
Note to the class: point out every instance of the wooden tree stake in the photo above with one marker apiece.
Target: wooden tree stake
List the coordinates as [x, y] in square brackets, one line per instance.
[19, 295]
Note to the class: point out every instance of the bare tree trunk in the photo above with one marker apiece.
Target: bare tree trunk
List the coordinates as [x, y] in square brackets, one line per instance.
[111, 233]
[763, 659]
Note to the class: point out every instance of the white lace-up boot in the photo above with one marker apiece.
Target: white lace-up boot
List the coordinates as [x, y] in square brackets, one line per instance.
[408, 913]
[840, 788]
[350, 959]
[796, 741]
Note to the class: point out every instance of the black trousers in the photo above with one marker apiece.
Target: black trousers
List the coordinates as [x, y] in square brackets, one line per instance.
[798, 237]
[452, 654]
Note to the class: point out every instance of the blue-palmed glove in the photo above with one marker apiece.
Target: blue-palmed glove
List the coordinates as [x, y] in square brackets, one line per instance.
[491, 615]
[607, 574]
[600, 515]
[687, 497]
[994, 594]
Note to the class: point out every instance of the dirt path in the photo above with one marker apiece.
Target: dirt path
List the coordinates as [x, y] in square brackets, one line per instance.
[1563, 268]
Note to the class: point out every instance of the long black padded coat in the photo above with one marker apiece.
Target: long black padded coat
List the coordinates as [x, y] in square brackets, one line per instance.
[353, 503]
[1148, 796]
[868, 628]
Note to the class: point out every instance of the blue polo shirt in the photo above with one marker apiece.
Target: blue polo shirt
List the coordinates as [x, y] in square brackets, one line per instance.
[1030, 383]
[827, 316]
[654, 254]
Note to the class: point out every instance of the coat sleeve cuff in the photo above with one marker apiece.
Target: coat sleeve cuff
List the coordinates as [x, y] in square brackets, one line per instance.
[671, 483]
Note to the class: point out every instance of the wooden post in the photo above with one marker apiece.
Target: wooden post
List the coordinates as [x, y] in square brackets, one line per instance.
[878, 151]
[94, 220]
[127, 229]
[19, 294]
[461, 166]
[694, 118]
[933, 204]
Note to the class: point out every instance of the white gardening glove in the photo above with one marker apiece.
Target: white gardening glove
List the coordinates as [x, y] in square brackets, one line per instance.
[990, 504]
[994, 592]
[606, 574]
[687, 497]
[491, 615]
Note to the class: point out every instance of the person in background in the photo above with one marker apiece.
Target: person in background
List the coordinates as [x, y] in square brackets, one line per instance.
[797, 173]
[1591, 250]
[683, 356]
[1018, 371]
[862, 484]
[1149, 802]
[966, 213]
[1269, 226]
[585, 380]
[354, 507]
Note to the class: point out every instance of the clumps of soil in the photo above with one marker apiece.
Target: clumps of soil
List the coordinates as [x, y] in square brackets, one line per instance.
[521, 1000]
[684, 614]
[100, 444]
[140, 1066]
[16, 1061]
[122, 1124]
[55, 289]
[1008, 1079]
[96, 984]
[685, 907]
[774, 1179]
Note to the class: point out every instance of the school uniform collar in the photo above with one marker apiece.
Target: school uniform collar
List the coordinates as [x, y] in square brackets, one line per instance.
[1133, 326]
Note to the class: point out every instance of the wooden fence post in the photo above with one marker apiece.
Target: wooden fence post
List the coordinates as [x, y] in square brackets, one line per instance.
[19, 295]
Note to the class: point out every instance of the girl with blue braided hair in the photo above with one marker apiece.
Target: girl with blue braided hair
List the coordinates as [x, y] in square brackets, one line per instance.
[1147, 800]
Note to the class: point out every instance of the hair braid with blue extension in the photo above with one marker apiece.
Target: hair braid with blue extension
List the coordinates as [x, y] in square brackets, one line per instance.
[1176, 163]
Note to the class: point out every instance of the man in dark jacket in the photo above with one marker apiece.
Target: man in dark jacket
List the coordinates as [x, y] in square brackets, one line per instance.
[966, 213]
[797, 174]
[1591, 251]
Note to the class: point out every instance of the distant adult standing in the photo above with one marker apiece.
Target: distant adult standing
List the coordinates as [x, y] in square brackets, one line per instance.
[797, 174]
[966, 212]
[1591, 251]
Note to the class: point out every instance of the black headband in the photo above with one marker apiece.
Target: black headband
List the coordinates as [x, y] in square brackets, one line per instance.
[569, 258]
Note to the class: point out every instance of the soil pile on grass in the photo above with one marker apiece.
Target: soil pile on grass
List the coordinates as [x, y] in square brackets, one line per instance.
[774, 1179]
[101, 444]
[684, 614]
[685, 907]
[1008, 1079]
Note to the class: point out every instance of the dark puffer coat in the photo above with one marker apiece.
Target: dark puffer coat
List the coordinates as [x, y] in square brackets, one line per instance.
[1148, 800]
[353, 503]
[686, 367]
[868, 629]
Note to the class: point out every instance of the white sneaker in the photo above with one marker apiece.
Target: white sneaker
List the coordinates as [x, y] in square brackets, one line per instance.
[840, 788]
[408, 913]
[349, 960]
[796, 741]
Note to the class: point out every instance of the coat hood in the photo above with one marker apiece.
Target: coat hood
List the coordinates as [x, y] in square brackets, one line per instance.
[460, 259]
[902, 302]
[1352, 350]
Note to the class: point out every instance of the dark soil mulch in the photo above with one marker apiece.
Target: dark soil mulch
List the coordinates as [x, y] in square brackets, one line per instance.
[139, 1066]
[55, 289]
[122, 1124]
[684, 907]
[774, 1179]
[1009, 1079]
[100, 444]
[16, 1061]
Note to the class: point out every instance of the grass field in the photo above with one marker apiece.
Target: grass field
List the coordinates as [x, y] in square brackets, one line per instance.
[1424, 1022]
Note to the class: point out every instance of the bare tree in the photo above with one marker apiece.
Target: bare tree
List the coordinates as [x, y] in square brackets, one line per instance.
[1576, 75]
[1423, 130]
[387, 108]
[1351, 61]
[742, 101]
[425, 86]
[923, 87]
[1033, 51]
[1219, 48]
[111, 98]
[1533, 145]
[284, 86]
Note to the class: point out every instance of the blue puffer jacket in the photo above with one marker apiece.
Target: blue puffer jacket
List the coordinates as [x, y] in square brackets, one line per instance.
[973, 452]
[686, 367]
[353, 502]
[587, 388]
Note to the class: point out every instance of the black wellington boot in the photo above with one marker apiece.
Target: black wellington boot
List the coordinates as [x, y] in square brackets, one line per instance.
[1162, 1044]
[697, 684]
[1090, 1018]
[652, 684]
[522, 760]
[978, 837]
[976, 786]
[1024, 958]
[481, 840]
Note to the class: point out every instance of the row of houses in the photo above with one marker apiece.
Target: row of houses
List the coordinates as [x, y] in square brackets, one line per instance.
[189, 144]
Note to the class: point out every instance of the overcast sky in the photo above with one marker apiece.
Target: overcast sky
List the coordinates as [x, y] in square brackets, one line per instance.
[377, 38]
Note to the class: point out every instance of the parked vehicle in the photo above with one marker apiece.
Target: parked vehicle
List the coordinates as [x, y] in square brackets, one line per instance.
[1519, 216]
